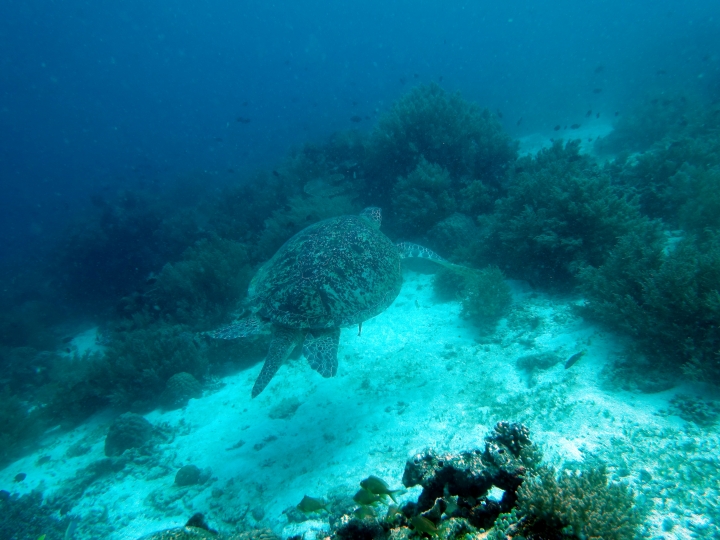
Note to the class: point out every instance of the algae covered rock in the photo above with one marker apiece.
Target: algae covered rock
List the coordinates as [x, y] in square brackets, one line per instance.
[128, 431]
[470, 475]
[179, 389]
[189, 475]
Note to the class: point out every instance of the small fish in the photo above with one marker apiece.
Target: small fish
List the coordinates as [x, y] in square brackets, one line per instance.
[377, 486]
[364, 512]
[276, 174]
[70, 531]
[574, 358]
[519, 121]
[661, 72]
[575, 126]
[423, 524]
[242, 120]
[355, 118]
[402, 80]
[557, 128]
[364, 497]
[311, 504]
[19, 477]
[588, 114]
[597, 90]
[499, 113]
[600, 69]
[597, 115]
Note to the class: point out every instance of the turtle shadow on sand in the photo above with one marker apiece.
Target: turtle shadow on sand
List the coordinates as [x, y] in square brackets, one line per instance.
[333, 274]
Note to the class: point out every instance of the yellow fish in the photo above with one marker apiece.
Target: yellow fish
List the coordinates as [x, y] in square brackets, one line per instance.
[364, 497]
[311, 504]
[423, 524]
[377, 486]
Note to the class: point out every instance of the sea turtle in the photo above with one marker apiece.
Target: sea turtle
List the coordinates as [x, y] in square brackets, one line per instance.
[335, 273]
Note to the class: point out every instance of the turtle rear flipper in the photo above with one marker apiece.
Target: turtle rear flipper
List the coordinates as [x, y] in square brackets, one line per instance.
[240, 329]
[320, 348]
[284, 340]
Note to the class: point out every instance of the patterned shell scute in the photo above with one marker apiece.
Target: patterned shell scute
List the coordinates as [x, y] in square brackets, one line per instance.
[335, 273]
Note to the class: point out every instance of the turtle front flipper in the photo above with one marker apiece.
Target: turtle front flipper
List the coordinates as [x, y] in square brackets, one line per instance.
[284, 340]
[408, 250]
[320, 348]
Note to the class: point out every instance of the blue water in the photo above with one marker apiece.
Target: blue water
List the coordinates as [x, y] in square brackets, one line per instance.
[122, 122]
[101, 95]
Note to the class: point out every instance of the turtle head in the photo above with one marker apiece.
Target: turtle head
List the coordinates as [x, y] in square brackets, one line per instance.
[373, 214]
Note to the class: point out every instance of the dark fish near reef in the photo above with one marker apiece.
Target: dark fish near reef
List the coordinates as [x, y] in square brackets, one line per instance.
[597, 115]
[557, 128]
[597, 90]
[377, 486]
[575, 126]
[588, 114]
[364, 497]
[356, 118]
[242, 120]
[19, 477]
[519, 122]
[276, 174]
[499, 113]
[311, 504]
[574, 358]
[424, 525]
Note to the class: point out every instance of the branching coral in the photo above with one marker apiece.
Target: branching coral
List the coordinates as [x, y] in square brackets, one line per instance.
[561, 213]
[667, 298]
[200, 289]
[442, 128]
[579, 504]
[423, 198]
[487, 297]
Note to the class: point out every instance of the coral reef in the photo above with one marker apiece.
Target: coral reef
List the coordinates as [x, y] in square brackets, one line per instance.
[507, 456]
[453, 234]
[203, 286]
[127, 431]
[450, 284]
[667, 299]
[703, 413]
[179, 389]
[576, 504]
[487, 298]
[423, 198]
[444, 129]
[18, 426]
[26, 517]
[189, 475]
[649, 121]
[561, 213]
